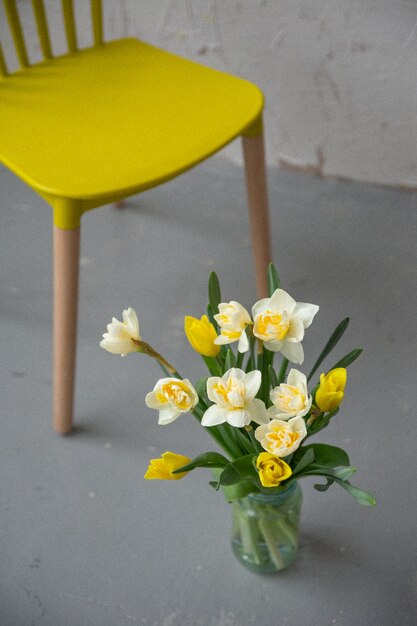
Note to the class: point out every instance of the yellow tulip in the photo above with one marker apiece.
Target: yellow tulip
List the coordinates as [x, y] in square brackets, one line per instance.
[331, 391]
[201, 335]
[161, 469]
[272, 469]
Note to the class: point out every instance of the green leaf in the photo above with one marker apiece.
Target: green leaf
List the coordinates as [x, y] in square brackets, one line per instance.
[337, 473]
[213, 365]
[328, 455]
[244, 440]
[201, 388]
[342, 472]
[214, 292]
[332, 342]
[250, 365]
[325, 487]
[305, 460]
[239, 470]
[228, 437]
[210, 315]
[207, 459]
[348, 359]
[230, 360]
[273, 279]
[362, 497]
[233, 492]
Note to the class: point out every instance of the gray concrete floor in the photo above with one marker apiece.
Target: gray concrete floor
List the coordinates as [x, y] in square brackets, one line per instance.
[84, 539]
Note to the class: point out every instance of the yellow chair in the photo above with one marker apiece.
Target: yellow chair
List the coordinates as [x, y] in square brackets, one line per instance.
[97, 125]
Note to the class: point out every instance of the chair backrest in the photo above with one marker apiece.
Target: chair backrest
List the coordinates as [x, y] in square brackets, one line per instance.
[16, 30]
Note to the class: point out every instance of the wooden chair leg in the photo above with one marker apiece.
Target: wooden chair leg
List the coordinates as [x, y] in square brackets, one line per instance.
[254, 155]
[65, 277]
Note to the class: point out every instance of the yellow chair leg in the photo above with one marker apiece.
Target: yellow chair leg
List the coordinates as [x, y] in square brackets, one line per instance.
[254, 155]
[65, 276]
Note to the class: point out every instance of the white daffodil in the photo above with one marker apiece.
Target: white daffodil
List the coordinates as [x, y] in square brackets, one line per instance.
[281, 438]
[234, 399]
[280, 321]
[290, 399]
[120, 336]
[171, 397]
[233, 319]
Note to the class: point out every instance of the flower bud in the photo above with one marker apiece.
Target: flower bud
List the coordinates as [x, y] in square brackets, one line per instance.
[201, 335]
[272, 470]
[161, 469]
[331, 391]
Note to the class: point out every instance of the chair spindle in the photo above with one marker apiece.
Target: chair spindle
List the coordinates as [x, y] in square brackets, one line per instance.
[16, 31]
[3, 68]
[42, 26]
[97, 22]
[68, 12]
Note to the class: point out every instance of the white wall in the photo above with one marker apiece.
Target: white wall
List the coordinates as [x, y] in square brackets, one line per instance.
[340, 76]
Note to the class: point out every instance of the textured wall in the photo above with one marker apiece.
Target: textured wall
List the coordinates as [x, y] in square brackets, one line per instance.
[339, 76]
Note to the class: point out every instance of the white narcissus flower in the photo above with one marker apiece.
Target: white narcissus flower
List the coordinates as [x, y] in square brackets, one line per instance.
[280, 321]
[171, 397]
[281, 438]
[120, 335]
[233, 319]
[234, 399]
[290, 399]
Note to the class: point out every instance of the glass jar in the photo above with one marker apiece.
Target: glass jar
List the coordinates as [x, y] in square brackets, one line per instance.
[265, 529]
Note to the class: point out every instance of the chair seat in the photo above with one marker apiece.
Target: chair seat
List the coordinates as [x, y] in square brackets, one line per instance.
[110, 121]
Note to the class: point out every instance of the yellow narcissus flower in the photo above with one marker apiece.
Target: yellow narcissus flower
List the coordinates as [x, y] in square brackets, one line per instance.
[171, 397]
[290, 399]
[161, 469]
[281, 438]
[233, 319]
[272, 470]
[331, 391]
[280, 321]
[201, 335]
[234, 399]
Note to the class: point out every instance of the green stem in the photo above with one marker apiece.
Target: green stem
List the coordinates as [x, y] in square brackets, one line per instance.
[244, 440]
[270, 540]
[248, 531]
[282, 370]
[252, 343]
[265, 385]
[215, 434]
[239, 361]
[228, 440]
[257, 446]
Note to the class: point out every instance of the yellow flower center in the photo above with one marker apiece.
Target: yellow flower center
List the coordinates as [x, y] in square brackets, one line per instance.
[272, 470]
[231, 334]
[272, 325]
[223, 390]
[282, 436]
[291, 398]
[175, 393]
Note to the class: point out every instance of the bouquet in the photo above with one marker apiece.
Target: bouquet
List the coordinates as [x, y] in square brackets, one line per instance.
[261, 415]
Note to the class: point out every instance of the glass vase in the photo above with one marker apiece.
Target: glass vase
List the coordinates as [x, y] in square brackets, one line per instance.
[265, 529]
